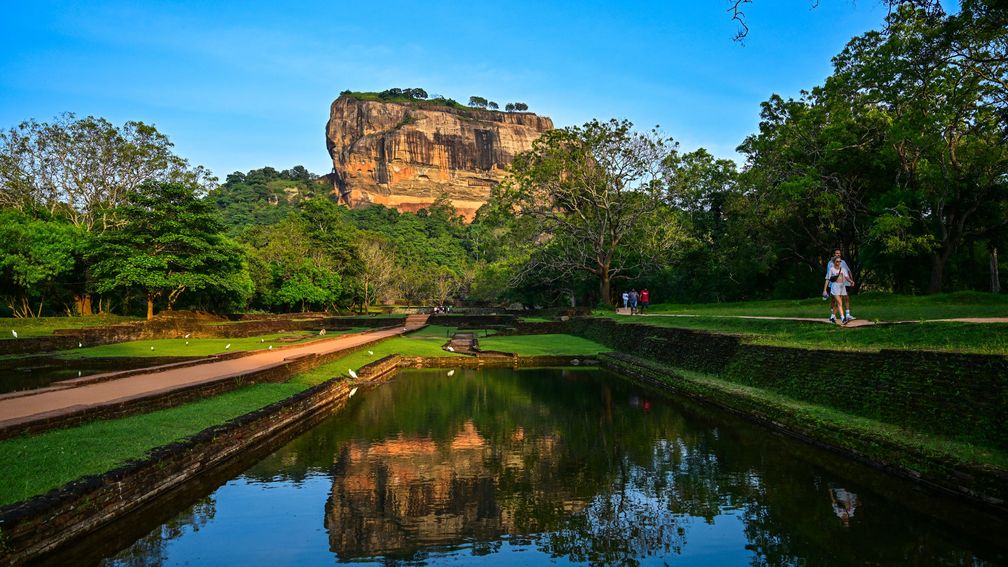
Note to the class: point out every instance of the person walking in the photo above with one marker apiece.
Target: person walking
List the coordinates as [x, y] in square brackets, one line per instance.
[626, 299]
[836, 281]
[843, 265]
[645, 299]
[633, 301]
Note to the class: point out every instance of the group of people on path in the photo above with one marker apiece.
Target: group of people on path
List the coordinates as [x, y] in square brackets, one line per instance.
[636, 302]
[838, 279]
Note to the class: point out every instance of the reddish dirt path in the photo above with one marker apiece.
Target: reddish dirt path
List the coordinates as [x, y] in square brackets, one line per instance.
[854, 323]
[47, 403]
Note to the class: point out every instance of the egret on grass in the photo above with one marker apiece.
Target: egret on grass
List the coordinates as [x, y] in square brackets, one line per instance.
[187, 335]
[370, 352]
[187, 343]
[80, 345]
[227, 346]
[352, 392]
[449, 349]
[13, 332]
[270, 347]
[352, 373]
[451, 372]
[152, 348]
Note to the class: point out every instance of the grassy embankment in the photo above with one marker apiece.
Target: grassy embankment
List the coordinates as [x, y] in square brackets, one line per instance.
[44, 326]
[924, 332]
[35, 464]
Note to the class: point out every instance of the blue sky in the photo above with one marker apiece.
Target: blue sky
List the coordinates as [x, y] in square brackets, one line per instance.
[241, 85]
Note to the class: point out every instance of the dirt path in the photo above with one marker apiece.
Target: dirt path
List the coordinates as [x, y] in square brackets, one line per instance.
[47, 403]
[854, 323]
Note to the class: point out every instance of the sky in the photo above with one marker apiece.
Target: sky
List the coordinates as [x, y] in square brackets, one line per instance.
[245, 84]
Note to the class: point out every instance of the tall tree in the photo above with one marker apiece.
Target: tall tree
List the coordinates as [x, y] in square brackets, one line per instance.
[84, 167]
[169, 241]
[595, 194]
[942, 84]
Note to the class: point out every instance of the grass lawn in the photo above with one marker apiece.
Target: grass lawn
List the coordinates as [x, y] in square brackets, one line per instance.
[197, 347]
[873, 306]
[922, 332]
[35, 464]
[44, 326]
[989, 338]
[543, 345]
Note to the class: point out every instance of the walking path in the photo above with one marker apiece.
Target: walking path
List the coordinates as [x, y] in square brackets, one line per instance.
[48, 403]
[854, 323]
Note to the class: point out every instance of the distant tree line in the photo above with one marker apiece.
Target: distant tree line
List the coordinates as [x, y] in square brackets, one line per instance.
[480, 102]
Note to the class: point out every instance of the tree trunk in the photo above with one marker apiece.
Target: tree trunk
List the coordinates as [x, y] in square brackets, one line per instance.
[994, 277]
[82, 303]
[150, 307]
[604, 287]
[937, 271]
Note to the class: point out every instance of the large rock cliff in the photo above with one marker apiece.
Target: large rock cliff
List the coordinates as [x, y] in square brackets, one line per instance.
[405, 155]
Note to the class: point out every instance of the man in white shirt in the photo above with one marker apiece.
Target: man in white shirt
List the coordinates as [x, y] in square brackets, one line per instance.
[847, 277]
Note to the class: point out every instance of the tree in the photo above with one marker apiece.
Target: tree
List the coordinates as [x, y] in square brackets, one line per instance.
[83, 168]
[169, 241]
[942, 85]
[477, 102]
[492, 105]
[594, 192]
[510, 107]
[34, 255]
[378, 268]
[520, 106]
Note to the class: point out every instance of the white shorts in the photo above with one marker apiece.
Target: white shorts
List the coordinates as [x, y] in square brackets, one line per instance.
[838, 288]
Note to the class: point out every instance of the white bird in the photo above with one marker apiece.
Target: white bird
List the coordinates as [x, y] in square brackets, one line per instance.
[449, 349]
[270, 347]
[188, 335]
[227, 346]
[262, 340]
[187, 343]
[352, 392]
[352, 373]
[152, 348]
[451, 372]
[322, 332]
[80, 345]
[13, 332]
[370, 352]
[78, 373]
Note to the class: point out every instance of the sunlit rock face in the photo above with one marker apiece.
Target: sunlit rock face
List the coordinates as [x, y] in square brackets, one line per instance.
[405, 155]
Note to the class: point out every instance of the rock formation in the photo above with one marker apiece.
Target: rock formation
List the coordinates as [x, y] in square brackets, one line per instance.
[407, 154]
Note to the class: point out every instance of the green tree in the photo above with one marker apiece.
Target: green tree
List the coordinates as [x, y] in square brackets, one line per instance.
[942, 84]
[169, 241]
[594, 192]
[34, 256]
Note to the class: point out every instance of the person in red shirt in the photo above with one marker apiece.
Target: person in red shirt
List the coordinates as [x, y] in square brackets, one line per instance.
[645, 299]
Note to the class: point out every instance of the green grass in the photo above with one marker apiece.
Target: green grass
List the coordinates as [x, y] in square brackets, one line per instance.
[32, 465]
[985, 338]
[44, 326]
[196, 347]
[874, 306]
[543, 345]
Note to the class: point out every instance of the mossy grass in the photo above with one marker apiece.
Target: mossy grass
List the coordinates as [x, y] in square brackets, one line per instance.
[44, 326]
[778, 407]
[34, 464]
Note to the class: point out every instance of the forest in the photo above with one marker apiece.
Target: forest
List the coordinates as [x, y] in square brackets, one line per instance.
[899, 159]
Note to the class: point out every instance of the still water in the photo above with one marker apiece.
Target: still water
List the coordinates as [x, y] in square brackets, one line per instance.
[31, 372]
[552, 466]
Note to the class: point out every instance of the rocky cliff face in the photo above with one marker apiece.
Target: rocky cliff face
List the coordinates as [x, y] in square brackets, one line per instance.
[405, 155]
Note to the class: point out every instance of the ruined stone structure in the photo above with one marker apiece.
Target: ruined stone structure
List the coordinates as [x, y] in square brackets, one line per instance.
[406, 155]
